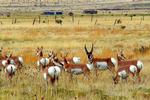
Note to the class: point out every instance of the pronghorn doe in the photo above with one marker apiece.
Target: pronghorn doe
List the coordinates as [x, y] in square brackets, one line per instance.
[101, 63]
[124, 62]
[10, 69]
[124, 71]
[42, 61]
[52, 70]
[77, 69]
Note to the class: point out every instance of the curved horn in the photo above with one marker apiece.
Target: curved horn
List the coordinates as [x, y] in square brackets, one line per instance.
[92, 48]
[86, 49]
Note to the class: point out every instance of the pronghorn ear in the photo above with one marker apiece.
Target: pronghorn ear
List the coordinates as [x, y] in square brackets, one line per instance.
[86, 49]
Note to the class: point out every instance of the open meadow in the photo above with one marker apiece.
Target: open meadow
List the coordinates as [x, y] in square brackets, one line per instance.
[22, 34]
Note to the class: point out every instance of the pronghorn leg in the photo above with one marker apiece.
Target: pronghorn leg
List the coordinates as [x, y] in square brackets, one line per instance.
[116, 79]
[139, 78]
[71, 76]
[133, 77]
[96, 71]
[85, 75]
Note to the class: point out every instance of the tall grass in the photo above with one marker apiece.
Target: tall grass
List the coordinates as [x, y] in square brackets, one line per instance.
[23, 39]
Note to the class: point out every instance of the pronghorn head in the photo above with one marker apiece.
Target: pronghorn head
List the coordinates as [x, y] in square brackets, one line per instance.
[51, 54]
[39, 51]
[89, 54]
[120, 55]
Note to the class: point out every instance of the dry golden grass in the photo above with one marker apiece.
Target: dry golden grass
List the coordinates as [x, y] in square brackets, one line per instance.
[23, 38]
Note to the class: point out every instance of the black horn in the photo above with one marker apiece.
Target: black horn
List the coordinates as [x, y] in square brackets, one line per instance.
[86, 49]
[92, 48]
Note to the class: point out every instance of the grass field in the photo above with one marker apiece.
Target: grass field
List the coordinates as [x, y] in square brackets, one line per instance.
[22, 38]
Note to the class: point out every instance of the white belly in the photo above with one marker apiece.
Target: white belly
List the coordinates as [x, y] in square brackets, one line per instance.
[123, 74]
[76, 71]
[101, 65]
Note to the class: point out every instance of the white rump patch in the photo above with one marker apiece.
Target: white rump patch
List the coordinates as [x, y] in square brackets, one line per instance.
[54, 71]
[90, 66]
[123, 74]
[113, 60]
[133, 68]
[139, 64]
[76, 60]
[44, 61]
[76, 71]
[11, 68]
[102, 65]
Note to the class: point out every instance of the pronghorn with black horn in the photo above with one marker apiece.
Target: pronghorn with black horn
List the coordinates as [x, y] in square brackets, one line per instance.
[77, 69]
[101, 63]
[137, 63]
[123, 72]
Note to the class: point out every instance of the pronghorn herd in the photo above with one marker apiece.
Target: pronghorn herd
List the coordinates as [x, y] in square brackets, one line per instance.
[52, 66]
[10, 63]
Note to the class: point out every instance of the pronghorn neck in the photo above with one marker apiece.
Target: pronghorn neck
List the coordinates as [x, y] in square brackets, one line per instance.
[41, 54]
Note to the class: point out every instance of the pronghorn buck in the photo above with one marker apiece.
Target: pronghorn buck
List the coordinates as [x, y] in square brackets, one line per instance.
[42, 61]
[139, 65]
[77, 69]
[124, 71]
[101, 63]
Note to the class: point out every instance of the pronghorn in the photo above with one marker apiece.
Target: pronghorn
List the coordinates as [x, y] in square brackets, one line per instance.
[10, 69]
[51, 74]
[75, 60]
[77, 68]
[137, 63]
[124, 71]
[101, 63]
[53, 69]
[42, 62]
